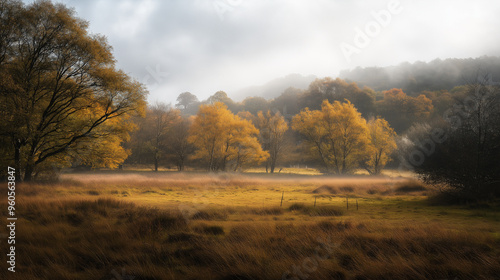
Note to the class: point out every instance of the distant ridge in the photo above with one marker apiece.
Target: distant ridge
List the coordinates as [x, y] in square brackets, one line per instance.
[274, 87]
[418, 76]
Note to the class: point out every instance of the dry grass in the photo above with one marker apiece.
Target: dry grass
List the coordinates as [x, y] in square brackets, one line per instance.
[88, 226]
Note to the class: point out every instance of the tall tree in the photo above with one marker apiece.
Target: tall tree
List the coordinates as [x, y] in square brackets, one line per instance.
[61, 87]
[337, 133]
[272, 129]
[221, 137]
[162, 119]
[222, 97]
[185, 100]
[179, 146]
[150, 143]
[383, 143]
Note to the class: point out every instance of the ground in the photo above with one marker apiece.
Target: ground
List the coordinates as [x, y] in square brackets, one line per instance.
[293, 225]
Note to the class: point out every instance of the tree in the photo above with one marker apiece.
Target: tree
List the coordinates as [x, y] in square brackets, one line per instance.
[185, 100]
[221, 138]
[338, 90]
[383, 143]
[462, 153]
[60, 89]
[178, 143]
[337, 133]
[255, 104]
[272, 129]
[401, 111]
[150, 144]
[161, 118]
[288, 102]
[222, 97]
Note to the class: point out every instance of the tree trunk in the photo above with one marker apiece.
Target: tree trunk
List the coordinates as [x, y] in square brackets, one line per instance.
[17, 157]
[28, 172]
[156, 163]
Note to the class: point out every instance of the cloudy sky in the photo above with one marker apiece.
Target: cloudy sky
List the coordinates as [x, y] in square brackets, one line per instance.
[203, 46]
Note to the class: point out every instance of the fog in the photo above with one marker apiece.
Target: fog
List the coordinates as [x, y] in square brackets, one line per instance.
[203, 46]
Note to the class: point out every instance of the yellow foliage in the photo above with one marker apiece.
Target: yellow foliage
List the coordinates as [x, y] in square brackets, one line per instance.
[223, 139]
[337, 133]
[383, 143]
[272, 134]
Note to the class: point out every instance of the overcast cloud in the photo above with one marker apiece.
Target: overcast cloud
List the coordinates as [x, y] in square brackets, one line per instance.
[211, 45]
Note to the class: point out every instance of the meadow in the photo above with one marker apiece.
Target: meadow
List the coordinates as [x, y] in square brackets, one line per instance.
[292, 225]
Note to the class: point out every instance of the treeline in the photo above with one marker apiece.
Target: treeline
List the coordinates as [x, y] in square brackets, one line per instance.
[400, 109]
[451, 138]
[335, 138]
[414, 78]
[297, 127]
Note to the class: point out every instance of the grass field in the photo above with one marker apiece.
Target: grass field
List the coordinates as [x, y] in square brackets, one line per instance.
[167, 225]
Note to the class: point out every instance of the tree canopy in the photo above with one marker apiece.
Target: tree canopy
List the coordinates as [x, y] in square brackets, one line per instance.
[60, 92]
[223, 139]
[337, 133]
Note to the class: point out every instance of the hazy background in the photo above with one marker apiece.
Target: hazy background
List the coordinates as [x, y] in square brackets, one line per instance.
[204, 46]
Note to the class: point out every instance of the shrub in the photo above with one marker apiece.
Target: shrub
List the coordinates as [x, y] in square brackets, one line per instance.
[297, 206]
[212, 230]
[411, 186]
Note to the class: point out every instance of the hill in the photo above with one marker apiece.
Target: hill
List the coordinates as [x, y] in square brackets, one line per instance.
[419, 76]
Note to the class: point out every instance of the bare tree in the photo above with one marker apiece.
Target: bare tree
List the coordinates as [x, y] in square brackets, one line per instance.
[272, 135]
[178, 143]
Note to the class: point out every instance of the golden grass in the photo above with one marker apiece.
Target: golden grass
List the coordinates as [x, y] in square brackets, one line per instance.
[230, 226]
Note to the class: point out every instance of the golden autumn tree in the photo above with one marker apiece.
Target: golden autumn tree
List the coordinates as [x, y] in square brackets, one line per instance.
[383, 143]
[63, 97]
[223, 139]
[337, 133]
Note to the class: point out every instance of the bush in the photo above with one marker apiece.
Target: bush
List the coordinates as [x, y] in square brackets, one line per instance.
[212, 230]
[411, 186]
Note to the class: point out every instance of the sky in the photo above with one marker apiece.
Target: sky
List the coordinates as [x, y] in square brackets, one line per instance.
[203, 46]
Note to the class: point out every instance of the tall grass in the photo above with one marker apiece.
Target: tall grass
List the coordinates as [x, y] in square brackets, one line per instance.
[88, 239]
[92, 227]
